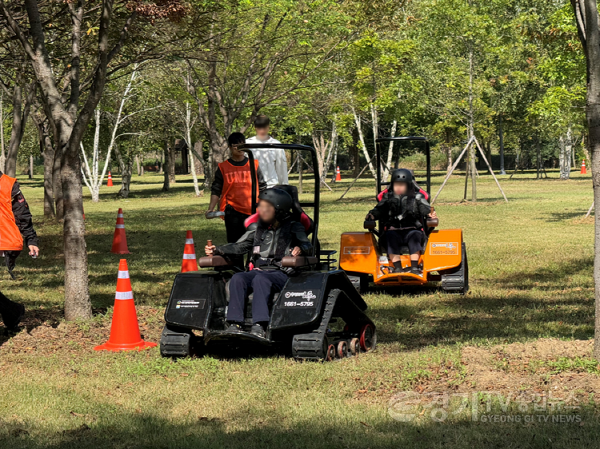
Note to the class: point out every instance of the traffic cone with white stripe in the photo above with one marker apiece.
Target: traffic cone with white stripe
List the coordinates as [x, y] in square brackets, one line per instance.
[124, 330]
[189, 262]
[583, 169]
[119, 245]
[338, 175]
[109, 182]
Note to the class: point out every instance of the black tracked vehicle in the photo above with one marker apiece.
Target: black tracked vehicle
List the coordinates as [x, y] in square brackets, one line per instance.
[318, 315]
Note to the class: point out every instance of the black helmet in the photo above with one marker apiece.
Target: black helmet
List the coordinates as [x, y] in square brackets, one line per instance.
[402, 175]
[280, 199]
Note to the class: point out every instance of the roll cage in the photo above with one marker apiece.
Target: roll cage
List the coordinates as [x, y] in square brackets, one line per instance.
[248, 148]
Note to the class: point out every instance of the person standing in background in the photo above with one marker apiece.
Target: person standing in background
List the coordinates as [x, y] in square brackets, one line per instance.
[232, 188]
[273, 162]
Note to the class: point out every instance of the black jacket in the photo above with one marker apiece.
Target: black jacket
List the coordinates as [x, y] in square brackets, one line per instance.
[403, 212]
[266, 243]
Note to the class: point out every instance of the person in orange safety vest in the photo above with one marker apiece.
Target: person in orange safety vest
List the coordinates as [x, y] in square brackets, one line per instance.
[232, 189]
[16, 224]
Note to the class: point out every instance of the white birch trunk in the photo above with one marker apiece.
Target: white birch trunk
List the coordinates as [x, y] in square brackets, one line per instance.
[566, 148]
[324, 150]
[363, 146]
[92, 176]
[188, 137]
[390, 153]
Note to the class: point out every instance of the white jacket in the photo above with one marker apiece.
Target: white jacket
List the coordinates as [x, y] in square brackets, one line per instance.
[272, 163]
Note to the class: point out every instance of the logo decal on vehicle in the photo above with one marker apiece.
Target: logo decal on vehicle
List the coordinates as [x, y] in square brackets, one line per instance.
[357, 250]
[443, 249]
[190, 304]
[304, 295]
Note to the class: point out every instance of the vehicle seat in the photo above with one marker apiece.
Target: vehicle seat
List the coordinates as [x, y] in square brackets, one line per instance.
[298, 213]
[419, 189]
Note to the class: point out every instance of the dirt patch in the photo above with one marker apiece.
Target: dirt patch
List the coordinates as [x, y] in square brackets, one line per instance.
[44, 332]
[529, 366]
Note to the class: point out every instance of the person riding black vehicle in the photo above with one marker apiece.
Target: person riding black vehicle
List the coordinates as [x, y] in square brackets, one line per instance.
[273, 237]
[16, 224]
[401, 211]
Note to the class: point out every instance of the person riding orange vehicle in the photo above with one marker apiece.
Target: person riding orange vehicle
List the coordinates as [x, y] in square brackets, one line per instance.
[400, 210]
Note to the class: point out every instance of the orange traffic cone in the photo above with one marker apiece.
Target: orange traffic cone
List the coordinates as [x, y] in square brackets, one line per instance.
[119, 245]
[583, 169]
[109, 183]
[338, 175]
[189, 262]
[124, 330]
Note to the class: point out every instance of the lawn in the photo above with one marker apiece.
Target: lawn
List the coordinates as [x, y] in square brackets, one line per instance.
[519, 341]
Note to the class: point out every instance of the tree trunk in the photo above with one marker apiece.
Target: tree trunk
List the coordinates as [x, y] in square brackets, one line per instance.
[216, 154]
[197, 152]
[137, 163]
[171, 165]
[47, 151]
[569, 150]
[354, 153]
[166, 169]
[16, 135]
[300, 169]
[335, 155]
[501, 138]
[586, 16]
[363, 144]
[57, 185]
[471, 125]
[561, 158]
[77, 295]
[2, 149]
[127, 171]
[448, 150]
[538, 147]
[390, 154]
[564, 157]
[31, 166]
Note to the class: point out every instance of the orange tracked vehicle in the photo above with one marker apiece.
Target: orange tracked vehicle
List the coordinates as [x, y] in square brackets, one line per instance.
[444, 255]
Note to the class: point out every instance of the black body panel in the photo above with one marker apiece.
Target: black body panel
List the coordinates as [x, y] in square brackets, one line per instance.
[301, 301]
[193, 298]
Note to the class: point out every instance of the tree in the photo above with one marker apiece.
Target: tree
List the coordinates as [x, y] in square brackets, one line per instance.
[21, 94]
[586, 16]
[87, 69]
[92, 177]
[47, 151]
[247, 65]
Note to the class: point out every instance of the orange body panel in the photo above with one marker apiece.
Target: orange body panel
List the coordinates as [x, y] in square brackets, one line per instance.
[359, 253]
[443, 250]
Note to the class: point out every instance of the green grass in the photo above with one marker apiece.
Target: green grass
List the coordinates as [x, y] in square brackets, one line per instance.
[531, 285]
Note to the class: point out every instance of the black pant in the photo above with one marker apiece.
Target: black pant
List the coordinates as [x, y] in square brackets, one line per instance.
[234, 224]
[413, 238]
[8, 308]
[235, 228]
[263, 284]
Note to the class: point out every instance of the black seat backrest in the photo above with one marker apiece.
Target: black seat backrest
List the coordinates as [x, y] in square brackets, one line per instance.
[297, 211]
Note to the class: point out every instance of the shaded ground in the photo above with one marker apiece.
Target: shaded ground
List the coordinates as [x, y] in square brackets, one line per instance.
[525, 327]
